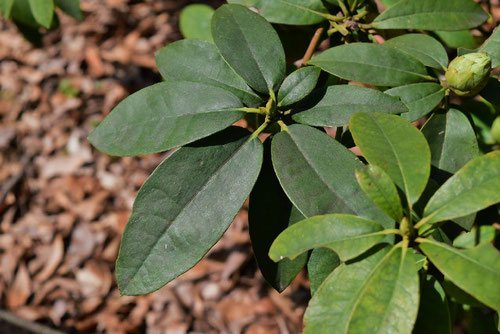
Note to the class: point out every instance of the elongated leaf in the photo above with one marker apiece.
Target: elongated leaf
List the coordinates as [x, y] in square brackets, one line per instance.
[178, 214]
[200, 61]
[450, 15]
[320, 265]
[70, 7]
[164, 116]
[317, 174]
[6, 7]
[492, 47]
[342, 101]
[374, 64]
[23, 17]
[475, 270]
[419, 98]
[452, 140]
[347, 235]
[292, 12]
[397, 147]
[379, 294]
[458, 39]
[381, 190]
[43, 11]
[298, 85]
[250, 45]
[194, 22]
[472, 188]
[423, 47]
[433, 314]
[270, 213]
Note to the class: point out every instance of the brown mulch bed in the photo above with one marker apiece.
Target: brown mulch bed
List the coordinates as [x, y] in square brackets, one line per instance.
[63, 205]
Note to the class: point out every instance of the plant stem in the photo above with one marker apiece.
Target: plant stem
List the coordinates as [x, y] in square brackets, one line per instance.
[261, 128]
[283, 126]
[253, 111]
[312, 46]
[392, 231]
[343, 7]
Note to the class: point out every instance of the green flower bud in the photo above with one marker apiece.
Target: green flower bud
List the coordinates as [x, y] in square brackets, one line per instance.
[468, 74]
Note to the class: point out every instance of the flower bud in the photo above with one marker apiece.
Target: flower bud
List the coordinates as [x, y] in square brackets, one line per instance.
[468, 74]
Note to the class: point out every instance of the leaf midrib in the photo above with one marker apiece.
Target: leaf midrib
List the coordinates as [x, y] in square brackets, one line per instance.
[188, 203]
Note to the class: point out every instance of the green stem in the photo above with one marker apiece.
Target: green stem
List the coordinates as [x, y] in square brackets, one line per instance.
[343, 7]
[365, 26]
[283, 126]
[421, 223]
[261, 128]
[253, 111]
[392, 231]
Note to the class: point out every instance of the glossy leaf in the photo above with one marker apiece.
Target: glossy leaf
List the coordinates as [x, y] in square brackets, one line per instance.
[270, 213]
[70, 7]
[292, 12]
[317, 174]
[375, 64]
[194, 22]
[478, 235]
[347, 235]
[458, 39]
[340, 102]
[250, 45]
[177, 218]
[321, 264]
[200, 61]
[452, 140]
[475, 270]
[43, 11]
[423, 47]
[449, 15]
[492, 47]
[381, 190]
[419, 98]
[378, 294]
[164, 116]
[298, 85]
[472, 188]
[433, 314]
[397, 147]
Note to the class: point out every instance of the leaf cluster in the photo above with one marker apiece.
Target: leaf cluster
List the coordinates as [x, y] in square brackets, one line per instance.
[392, 241]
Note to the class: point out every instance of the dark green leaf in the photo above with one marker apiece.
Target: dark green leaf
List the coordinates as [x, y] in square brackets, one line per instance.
[70, 7]
[21, 14]
[43, 11]
[396, 146]
[475, 270]
[381, 190]
[321, 264]
[200, 61]
[317, 174]
[342, 101]
[472, 188]
[250, 45]
[449, 15]
[423, 47]
[458, 39]
[194, 22]
[164, 116]
[452, 140]
[178, 214]
[292, 12]
[347, 235]
[270, 213]
[298, 85]
[374, 64]
[379, 294]
[492, 47]
[433, 314]
[419, 98]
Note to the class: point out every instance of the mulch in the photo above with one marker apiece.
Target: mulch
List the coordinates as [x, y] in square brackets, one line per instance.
[63, 205]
